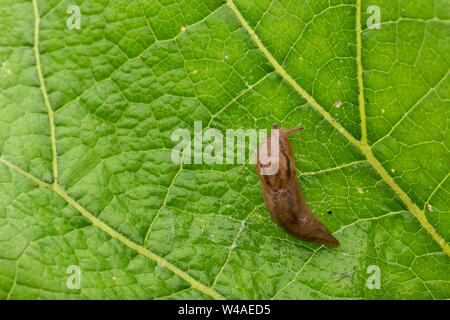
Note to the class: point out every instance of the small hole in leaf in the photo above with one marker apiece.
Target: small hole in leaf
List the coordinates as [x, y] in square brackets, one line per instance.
[330, 212]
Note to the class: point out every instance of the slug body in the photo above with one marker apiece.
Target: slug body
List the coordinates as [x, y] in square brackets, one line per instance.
[282, 193]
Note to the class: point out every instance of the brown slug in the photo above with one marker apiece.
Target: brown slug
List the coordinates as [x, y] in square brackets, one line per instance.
[282, 193]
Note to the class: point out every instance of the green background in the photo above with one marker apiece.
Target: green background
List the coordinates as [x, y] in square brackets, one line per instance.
[86, 177]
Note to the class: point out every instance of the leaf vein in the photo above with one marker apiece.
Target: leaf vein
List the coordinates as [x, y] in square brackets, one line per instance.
[116, 235]
[51, 118]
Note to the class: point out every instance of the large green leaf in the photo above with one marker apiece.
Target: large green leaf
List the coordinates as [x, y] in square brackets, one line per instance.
[86, 177]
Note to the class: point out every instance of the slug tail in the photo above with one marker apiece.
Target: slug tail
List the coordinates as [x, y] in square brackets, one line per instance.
[313, 230]
[328, 239]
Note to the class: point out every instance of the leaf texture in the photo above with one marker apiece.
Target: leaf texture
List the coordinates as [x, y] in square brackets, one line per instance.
[86, 176]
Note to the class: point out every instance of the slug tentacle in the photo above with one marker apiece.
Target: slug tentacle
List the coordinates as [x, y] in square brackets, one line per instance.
[288, 132]
[282, 193]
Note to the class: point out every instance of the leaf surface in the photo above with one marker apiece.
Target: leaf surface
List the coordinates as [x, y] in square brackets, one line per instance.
[86, 176]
